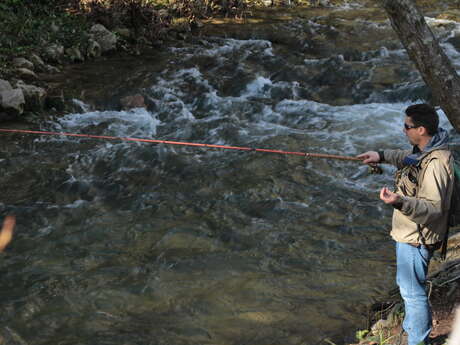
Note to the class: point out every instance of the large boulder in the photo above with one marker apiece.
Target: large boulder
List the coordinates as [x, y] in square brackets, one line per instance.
[11, 100]
[106, 39]
[34, 96]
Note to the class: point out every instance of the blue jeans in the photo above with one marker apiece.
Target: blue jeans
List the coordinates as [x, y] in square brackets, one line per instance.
[412, 267]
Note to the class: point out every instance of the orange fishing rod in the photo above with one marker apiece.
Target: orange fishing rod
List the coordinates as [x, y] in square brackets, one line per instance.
[167, 142]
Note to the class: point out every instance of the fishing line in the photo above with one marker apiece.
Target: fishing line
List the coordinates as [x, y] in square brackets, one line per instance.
[182, 143]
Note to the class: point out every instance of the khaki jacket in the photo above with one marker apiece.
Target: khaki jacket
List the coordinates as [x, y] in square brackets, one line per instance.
[428, 203]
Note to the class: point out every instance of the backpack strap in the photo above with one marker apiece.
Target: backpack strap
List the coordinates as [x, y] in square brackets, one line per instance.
[443, 246]
[422, 165]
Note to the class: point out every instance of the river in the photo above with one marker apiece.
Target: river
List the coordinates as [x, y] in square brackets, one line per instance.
[136, 243]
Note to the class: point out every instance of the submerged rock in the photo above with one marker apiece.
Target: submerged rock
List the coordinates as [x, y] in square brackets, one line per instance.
[134, 101]
[34, 96]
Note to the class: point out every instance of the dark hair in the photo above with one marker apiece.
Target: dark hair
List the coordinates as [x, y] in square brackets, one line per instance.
[424, 115]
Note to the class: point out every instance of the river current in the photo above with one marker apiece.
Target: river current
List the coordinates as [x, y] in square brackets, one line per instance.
[136, 243]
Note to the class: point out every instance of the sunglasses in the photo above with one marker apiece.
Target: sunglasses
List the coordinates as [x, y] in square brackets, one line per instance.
[407, 127]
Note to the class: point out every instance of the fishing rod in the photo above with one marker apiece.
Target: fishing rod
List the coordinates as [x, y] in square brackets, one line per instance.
[374, 168]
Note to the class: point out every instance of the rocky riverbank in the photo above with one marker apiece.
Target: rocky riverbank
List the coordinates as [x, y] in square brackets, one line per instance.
[345, 38]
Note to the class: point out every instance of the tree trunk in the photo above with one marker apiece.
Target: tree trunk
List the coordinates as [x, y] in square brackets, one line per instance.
[428, 56]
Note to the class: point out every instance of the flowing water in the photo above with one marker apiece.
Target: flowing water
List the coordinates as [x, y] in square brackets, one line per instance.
[135, 243]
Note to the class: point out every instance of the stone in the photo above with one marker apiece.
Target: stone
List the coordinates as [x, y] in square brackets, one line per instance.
[12, 102]
[134, 101]
[94, 49]
[38, 62]
[380, 325]
[106, 39]
[23, 63]
[27, 74]
[5, 85]
[55, 100]
[188, 240]
[74, 54]
[52, 69]
[34, 96]
[54, 53]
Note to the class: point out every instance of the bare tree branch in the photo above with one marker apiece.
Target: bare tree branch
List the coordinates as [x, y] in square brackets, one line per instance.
[424, 50]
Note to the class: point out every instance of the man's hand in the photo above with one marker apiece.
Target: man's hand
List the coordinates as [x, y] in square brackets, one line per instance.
[6, 234]
[388, 197]
[370, 157]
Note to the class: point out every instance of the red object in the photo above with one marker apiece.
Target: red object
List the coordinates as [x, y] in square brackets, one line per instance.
[106, 137]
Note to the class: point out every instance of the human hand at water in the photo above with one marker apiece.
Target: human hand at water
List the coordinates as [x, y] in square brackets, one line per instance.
[388, 197]
[370, 157]
[6, 234]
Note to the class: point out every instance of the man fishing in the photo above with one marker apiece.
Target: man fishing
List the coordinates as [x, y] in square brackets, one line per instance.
[423, 188]
[6, 233]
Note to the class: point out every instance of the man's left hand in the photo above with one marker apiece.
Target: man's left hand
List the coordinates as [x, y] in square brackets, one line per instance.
[388, 197]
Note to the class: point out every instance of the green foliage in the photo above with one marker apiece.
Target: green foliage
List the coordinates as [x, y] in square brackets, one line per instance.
[28, 25]
[144, 17]
[209, 8]
[361, 334]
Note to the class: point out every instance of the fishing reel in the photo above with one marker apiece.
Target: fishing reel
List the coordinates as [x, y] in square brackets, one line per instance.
[375, 169]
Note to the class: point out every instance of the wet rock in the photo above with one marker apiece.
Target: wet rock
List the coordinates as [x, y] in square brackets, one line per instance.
[134, 101]
[94, 49]
[12, 102]
[74, 54]
[26, 74]
[23, 63]
[54, 53]
[34, 96]
[55, 100]
[106, 39]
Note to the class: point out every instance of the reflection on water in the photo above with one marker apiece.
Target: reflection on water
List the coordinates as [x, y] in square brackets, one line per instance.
[152, 244]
